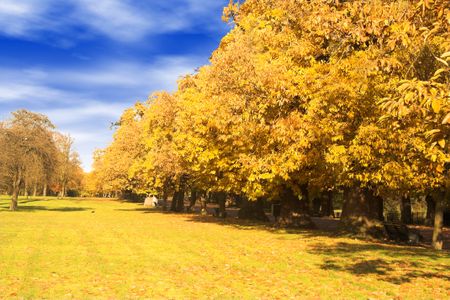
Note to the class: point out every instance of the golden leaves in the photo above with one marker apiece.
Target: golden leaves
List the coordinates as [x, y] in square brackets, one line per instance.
[293, 94]
[436, 105]
[446, 119]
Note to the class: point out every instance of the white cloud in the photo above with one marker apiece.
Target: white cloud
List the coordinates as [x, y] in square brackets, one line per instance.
[20, 18]
[162, 72]
[27, 86]
[121, 20]
[8, 7]
[84, 112]
[26, 92]
[88, 123]
[84, 102]
[114, 18]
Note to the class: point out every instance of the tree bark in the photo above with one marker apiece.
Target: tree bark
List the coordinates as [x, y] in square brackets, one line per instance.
[14, 200]
[305, 197]
[173, 204]
[429, 220]
[294, 212]
[44, 191]
[253, 210]
[15, 192]
[192, 200]
[63, 190]
[221, 197]
[25, 189]
[35, 189]
[361, 211]
[438, 240]
[177, 204]
[380, 208]
[406, 213]
[180, 199]
[165, 197]
[317, 206]
[326, 208]
[203, 204]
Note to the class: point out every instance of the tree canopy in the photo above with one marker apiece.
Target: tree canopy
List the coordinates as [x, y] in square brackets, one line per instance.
[34, 154]
[299, 96]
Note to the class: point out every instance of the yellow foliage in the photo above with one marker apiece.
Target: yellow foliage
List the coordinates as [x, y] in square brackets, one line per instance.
[323, 93]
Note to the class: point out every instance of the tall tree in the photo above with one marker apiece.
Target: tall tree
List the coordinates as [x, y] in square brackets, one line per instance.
[26, 143]
[68, 164]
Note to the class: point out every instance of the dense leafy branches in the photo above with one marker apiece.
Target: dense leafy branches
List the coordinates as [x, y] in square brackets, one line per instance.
[306, 95]
[33, 154]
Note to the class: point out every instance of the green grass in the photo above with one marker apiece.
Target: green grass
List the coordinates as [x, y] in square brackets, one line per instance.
[98, 248]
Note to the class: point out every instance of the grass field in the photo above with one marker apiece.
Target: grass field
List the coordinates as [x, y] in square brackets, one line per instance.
[110, 249]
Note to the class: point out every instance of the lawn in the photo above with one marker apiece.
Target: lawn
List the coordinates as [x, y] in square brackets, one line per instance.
[98, 248]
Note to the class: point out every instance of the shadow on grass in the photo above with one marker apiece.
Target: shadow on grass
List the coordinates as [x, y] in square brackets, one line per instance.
[33, 208]
[258, 225]
[127, 201]
[142, 209]
[392, 264]
[30, 201]
[389, 248]
[396, 264]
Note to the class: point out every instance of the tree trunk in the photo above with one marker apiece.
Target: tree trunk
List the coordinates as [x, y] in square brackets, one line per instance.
[221, 197]
[326, 208]
[429, 220]
[15, 192]
[294, 212]
[361, 210]
[180, 199]
[253, 210]
[35, 189]
[380, 206]
[203, 204]
[63, 190]
[44, 191]
[25, 189]
[192, 200]
[14, 200]
[173, 204]
[438, 241]
[165, 197]
[406, 214]
[305, 197]
[317, 206]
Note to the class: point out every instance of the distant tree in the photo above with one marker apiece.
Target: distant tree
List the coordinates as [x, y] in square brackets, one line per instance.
[68, 172]
[27, 145]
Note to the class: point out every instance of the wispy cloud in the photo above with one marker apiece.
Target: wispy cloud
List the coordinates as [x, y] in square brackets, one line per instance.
[98, 67]
[116, 19]
[21, 18]
[84, 102]
[85, 111]
[26, 92]
[161, 72]
[120, 20]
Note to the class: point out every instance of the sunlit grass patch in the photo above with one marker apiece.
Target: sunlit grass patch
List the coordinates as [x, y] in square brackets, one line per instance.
[75, 248]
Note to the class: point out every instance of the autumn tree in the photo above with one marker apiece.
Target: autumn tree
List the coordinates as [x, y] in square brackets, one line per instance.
[161, 166]
[308, 97]
[26, 142]
[68, 164]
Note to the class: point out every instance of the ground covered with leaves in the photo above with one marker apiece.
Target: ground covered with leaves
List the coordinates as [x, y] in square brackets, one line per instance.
[99, 248]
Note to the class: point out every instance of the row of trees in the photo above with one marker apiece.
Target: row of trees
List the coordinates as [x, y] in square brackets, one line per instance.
[36, 159]
[300, 97]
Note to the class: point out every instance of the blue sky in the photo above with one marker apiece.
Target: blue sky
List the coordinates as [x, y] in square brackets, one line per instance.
[82, 62]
